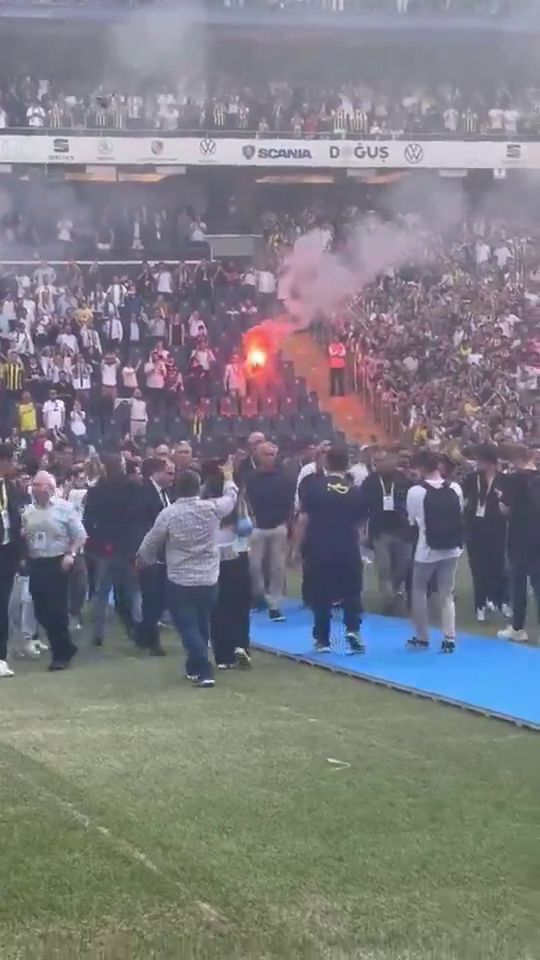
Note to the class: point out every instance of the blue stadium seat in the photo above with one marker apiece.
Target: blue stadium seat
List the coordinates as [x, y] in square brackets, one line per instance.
[177, 429]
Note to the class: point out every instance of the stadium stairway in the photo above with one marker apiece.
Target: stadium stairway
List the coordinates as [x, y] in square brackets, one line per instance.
[348, 413]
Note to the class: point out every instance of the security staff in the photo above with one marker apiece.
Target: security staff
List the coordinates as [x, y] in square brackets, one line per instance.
[327, 533]
[54, 535]
[486, 533]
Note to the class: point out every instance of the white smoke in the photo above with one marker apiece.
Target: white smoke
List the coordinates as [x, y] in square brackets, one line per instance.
[317, 281]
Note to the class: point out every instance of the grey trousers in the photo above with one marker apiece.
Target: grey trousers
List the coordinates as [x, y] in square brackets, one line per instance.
[446, 581]
[77, 586]
[392, 556]
[267, 558]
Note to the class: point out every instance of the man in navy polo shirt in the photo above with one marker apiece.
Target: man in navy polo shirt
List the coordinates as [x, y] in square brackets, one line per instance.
[327, 533]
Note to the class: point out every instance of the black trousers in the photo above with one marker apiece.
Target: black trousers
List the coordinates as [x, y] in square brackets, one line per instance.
[486, 549]
[229, 625]
[329, 583]
[8, 567]
[523, 568]
[337, 382]
[49, 592]
[153, 584]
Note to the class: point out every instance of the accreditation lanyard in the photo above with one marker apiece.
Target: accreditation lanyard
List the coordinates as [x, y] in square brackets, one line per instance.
[481, 507]
[387, 498]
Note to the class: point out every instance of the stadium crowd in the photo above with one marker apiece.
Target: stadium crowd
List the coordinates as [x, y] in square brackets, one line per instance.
[156, 364]
[357, 108]
[446, 352]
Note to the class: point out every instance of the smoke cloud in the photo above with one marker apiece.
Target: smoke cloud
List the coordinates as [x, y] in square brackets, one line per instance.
[315, 281]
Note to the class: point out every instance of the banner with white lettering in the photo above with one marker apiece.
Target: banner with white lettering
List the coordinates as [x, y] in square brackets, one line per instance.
[228, 151]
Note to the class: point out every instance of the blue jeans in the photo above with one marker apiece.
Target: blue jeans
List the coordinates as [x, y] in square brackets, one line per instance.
[190, 609]
[119, 573]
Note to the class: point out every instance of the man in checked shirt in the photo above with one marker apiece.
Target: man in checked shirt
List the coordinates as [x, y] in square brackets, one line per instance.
[187, 533]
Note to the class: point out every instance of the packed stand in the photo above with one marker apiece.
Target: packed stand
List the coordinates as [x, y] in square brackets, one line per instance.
[95, 357]
[357, 108]
[448, 354]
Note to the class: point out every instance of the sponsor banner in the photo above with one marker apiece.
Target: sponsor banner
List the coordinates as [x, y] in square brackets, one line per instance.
[226, 151]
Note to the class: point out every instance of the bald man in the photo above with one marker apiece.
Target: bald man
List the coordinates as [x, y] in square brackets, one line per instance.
[247, 466]
[54, 535]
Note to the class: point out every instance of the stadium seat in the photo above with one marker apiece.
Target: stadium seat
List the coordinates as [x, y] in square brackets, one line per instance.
[207, 407]
[228, 407]
[187, 408]
[249, 406]
[268, 405]
[156, 430]
[288, 406]
[177, 429]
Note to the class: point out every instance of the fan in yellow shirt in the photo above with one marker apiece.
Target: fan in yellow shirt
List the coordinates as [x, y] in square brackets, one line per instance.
[27, 412]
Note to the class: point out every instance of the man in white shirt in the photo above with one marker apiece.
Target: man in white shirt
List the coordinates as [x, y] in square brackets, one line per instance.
[53, 412]
[138, 416]
[68, 339]
[234, 378]
[435, 507]
[164, 282]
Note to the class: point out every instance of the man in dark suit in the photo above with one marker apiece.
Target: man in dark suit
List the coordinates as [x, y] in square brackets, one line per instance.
[159, 478]
[112, 518]
[10, 547]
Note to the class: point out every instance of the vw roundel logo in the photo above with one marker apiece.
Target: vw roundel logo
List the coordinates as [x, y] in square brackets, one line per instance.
[413, 153]
[248, 151]
[105, 148]
[207, 147]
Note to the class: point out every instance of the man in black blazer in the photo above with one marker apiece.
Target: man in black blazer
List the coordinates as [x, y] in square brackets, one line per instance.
[112, 517]
[10, 547]
[159, 476]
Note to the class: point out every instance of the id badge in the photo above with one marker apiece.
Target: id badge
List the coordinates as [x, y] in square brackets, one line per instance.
[39, 541]
[388, 502]
[481, 510]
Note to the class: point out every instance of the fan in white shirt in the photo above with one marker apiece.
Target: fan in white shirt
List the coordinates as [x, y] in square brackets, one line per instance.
[163, 278]
[113, 330]
[109, 370]
[68, 339]
[35, 115]
[77, 420]
[64, 228]
[116, 292]
[21, 341]
[53, 412]
[234, 378]
[196, 326]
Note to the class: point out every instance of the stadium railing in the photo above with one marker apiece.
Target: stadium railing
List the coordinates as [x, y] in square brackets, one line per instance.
[218, 133]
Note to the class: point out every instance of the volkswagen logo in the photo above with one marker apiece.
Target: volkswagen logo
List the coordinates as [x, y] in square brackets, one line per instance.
[248, 151]
[105, 148]
[414, 153]
[157, 147]
[207, 147]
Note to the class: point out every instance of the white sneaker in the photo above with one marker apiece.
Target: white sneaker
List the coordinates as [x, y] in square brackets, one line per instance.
[481, 615]
[29, 649]
[40, 645]
[517, 636]
[506, 611]
[490, 606]
[5, 671]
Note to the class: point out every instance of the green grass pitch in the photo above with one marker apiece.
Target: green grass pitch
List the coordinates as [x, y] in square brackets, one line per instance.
[142, 819]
